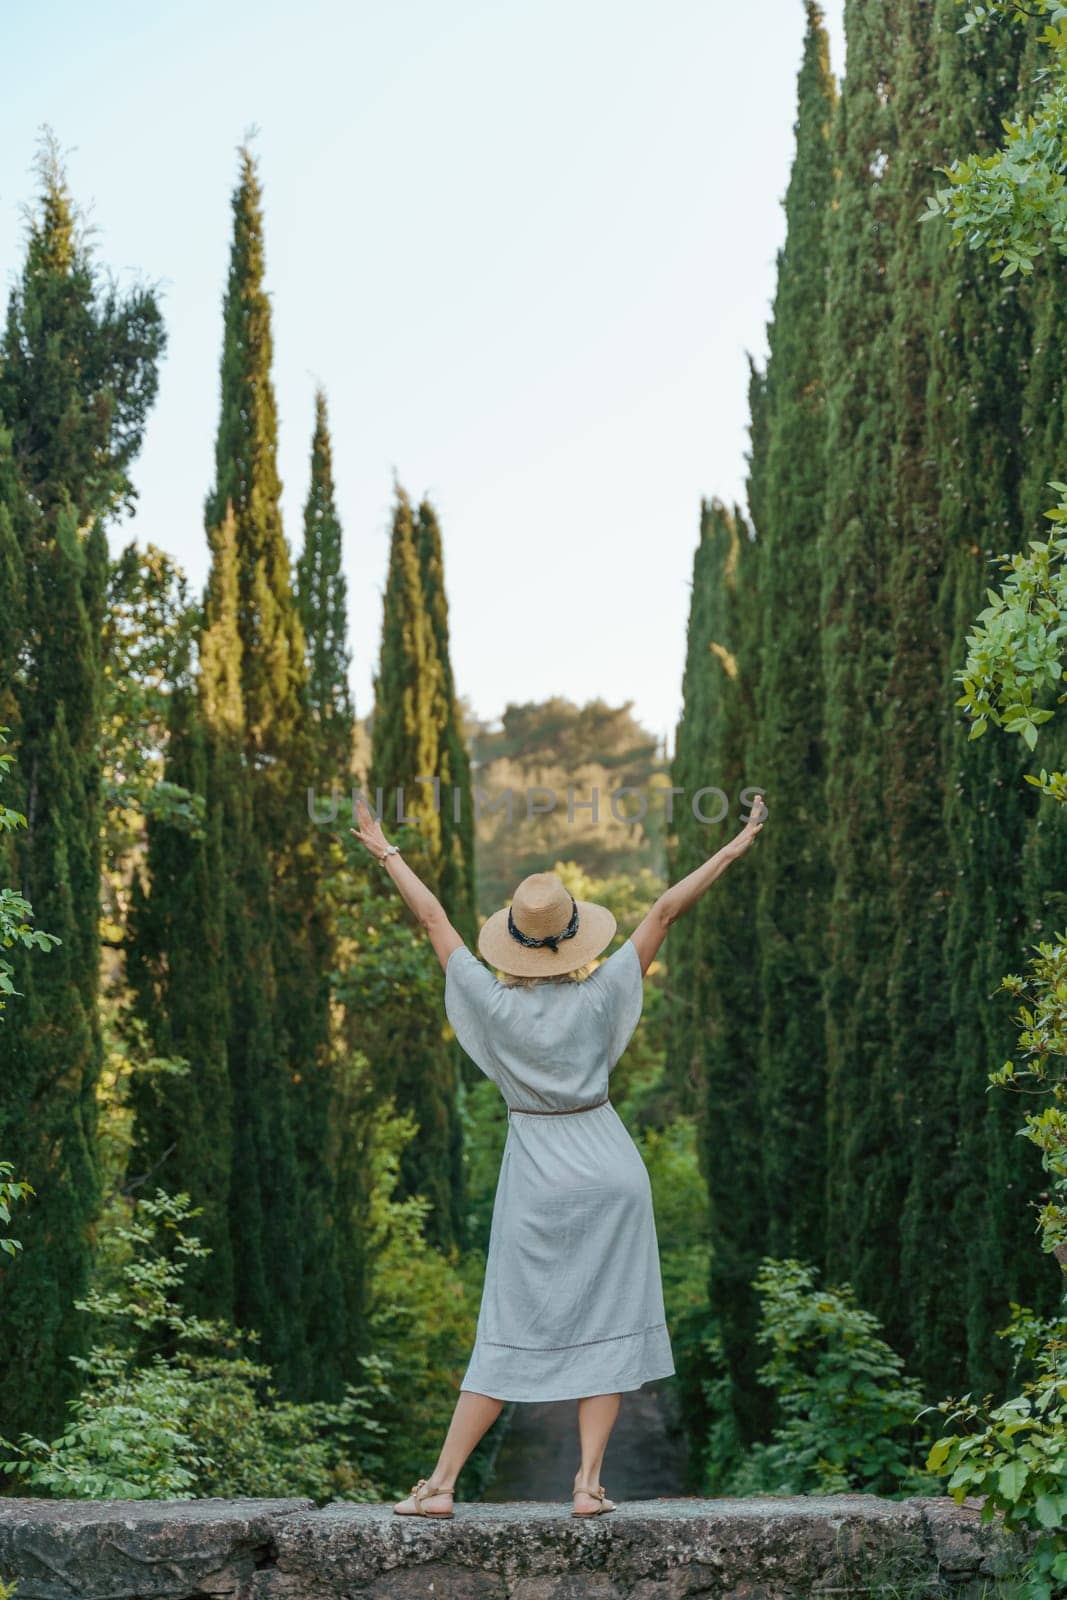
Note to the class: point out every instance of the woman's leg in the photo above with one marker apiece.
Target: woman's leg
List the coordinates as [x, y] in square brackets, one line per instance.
[473, 1416]
[596, 1418]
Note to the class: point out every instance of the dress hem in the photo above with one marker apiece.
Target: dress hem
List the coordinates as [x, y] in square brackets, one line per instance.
[577, 1394]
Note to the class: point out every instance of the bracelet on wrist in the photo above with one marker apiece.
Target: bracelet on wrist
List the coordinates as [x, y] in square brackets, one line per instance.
[390, 850]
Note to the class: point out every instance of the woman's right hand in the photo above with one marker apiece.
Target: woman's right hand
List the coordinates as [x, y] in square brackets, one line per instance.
[752, 827]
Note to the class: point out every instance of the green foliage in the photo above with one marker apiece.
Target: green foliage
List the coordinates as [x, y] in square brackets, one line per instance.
[846, 1408]
[408, 698]
[1013, 203]
[11, 1191]
[681, 1204]
[422, 1306]
[419, 754]
[1014, 1455]
[80, 367]
[15, 911]
[321, 599]
[787, 489]
[485, 1127]
[457, 879]
[713, 984]
[247, 744]
[247, 487]
[78, 375]
[391, 985]
[149, 635]
[172, 1407]
[1018, 645]
[1042, 1024]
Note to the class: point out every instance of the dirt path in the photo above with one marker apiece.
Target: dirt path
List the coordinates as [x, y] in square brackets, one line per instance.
[645, 1459]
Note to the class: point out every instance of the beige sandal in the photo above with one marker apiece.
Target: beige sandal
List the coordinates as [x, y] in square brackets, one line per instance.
[423, 1490]
[596, 1491]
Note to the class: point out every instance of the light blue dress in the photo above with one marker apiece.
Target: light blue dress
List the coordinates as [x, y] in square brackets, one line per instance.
[572, 1302]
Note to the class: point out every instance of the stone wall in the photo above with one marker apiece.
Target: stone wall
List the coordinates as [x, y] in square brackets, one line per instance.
[761, 1548]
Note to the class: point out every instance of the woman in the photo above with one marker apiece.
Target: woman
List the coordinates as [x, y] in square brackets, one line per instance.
[572, 1303]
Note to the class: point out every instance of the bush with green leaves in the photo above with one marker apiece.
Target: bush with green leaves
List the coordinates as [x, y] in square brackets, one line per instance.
[1016, 651]
[1041, 1073]
[1013, 203]
[173, 1407]
[1015, 1454]
[847, 1412]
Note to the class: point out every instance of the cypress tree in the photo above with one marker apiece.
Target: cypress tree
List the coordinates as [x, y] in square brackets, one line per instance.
[863, 1118]
[454, 768]
[262, 1156]
[406, 736]
[421, 1070]
[280, 921]
[786, 494]
[321, 600]
[916, 1157]
[246, 477]
[713, 981]
[457, 886]
[968, 1160]
[78, 367]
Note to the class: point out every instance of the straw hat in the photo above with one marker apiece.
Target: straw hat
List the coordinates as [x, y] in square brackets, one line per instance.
[545, 930]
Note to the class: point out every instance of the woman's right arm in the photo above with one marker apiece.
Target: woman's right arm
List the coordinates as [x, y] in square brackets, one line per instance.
[652, 930]
[421, 899]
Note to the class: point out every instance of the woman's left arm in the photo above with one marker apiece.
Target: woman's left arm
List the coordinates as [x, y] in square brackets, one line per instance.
[423, 902]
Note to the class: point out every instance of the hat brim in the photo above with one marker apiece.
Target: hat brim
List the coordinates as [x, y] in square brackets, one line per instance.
[596, 929]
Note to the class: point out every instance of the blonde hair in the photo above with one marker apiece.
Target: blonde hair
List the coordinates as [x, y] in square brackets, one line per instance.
[578, 975]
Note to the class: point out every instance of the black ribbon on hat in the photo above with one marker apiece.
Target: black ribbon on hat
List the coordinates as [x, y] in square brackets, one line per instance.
[550, 939]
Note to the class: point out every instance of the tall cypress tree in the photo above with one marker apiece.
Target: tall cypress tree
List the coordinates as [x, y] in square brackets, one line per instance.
[78, 372]
[968, 1163]
[916, 1157]
[863, 1115]
[787, 489]
[279, 1043]
[458, 892]
[261, 1156]
[246, 477]
[457, 885]
[406, 735]
[406, 746]
[321, 599]
[713, 979]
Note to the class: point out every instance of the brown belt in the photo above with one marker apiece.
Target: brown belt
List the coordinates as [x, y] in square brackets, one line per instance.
[569, 1112]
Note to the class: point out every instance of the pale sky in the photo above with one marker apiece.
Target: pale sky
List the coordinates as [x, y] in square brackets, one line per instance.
[525, 247]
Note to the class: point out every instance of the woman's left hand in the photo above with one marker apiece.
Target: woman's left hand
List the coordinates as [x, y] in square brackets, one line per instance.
[369, 831]
[750, 831]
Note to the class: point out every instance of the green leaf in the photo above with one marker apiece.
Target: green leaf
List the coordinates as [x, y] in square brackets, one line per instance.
[1048, 1511]
[1012, 1477]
